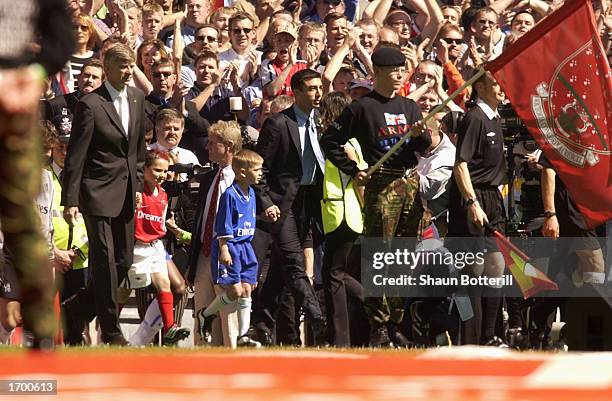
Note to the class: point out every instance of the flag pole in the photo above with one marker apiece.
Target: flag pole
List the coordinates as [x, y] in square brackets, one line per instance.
[432, 113]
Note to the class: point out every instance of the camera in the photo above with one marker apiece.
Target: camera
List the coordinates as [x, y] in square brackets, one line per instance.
[512, 125]
[190, 169]
[189, 187]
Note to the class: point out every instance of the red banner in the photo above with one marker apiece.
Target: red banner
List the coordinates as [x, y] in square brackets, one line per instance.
[558, 80]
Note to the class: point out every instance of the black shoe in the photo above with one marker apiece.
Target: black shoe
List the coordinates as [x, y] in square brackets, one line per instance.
[379, 337]
[175, 334]
[206, 326]
[116, 341]
[516, 339]
[319, 331]
[260, 335]
[495, 342]
[396, 336]
[247, 342]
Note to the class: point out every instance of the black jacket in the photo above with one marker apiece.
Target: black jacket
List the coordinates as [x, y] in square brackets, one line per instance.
[103, 163]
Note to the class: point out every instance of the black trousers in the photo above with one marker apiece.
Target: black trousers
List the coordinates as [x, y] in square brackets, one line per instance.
[288, 237]
[338, 284]
[73, 281]
[111, 251]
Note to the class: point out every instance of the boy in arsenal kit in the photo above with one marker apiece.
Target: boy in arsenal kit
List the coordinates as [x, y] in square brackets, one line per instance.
[149, 253]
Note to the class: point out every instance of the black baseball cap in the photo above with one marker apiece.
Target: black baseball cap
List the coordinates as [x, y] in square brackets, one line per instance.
[388, 57]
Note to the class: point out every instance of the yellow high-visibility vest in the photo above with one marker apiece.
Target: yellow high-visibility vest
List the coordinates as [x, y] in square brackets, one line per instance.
[62, 231]
[340, 201]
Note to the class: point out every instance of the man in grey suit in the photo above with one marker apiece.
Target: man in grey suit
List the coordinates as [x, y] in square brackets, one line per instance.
[102, 172]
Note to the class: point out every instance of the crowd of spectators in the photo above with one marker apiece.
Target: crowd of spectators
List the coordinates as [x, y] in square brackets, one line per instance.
[214, 61]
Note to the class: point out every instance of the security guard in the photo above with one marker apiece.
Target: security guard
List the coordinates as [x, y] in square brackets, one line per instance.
[71, 243]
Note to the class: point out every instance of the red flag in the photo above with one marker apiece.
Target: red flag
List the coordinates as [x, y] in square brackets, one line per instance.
[558, 80]
[529, 279]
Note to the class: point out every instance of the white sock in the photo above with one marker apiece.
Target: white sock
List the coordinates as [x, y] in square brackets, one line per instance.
[150, 325]
[244, 315]
[5, 335]
[219, 302]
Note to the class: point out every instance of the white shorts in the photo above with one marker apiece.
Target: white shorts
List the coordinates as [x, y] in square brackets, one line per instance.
[149, 258]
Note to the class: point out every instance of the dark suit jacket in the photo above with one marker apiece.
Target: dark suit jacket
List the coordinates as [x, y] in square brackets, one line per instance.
[57, 104]
[102, 161]
[206, 181]
[279, 145]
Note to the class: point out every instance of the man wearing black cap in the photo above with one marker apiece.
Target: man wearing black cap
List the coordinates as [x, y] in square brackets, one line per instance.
[378, 120]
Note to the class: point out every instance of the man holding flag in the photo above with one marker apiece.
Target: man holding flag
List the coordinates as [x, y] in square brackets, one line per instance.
[392, 207]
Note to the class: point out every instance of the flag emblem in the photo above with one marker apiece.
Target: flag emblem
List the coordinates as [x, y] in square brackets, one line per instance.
[572, 128]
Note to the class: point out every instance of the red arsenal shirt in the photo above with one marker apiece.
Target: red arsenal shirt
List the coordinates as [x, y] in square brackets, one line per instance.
[149, 222]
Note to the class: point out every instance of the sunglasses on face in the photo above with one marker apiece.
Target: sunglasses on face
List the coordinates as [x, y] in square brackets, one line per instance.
[207, 39]
[165, 74]
[80, 27]
[453, 41]
[238, 31]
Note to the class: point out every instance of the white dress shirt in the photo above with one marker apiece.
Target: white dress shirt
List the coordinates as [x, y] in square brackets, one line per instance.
[226, 182]
[121, 103]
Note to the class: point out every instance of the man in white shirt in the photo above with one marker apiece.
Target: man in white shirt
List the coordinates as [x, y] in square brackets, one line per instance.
[242, 35]
[169, 125]
[224, 140]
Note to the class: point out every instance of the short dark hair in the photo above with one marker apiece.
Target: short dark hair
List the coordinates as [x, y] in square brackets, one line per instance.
[299, 78]
[210, 26]
[94, 62]
[164, 62]
[153, 155]
[206, 54]
[522, 12]
[333, 17]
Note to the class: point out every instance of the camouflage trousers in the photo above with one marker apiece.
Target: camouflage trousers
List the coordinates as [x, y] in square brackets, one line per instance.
[392, 209]
[20, 180]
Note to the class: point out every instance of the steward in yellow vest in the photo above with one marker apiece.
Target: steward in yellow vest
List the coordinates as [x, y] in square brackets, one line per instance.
[64, 236]
[342, 224]
[341, 201]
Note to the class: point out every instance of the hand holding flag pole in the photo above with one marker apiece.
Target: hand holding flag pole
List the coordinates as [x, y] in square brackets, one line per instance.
[431, 114]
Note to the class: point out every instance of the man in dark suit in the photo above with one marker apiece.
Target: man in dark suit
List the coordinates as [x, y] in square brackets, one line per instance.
[291, 189]
[102, 172]
[60, 109]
